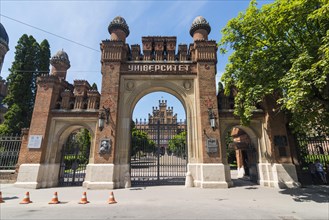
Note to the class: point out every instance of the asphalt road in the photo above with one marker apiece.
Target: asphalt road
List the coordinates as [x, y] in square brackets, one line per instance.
[244, 201]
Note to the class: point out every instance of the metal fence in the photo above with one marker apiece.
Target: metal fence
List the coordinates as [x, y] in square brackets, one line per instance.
[313, 148]
[9, 151]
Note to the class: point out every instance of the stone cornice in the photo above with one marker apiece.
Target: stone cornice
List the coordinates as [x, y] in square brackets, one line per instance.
[93, 113]
[205, 43]
[51, 79]
[80, 82]
[93, 93]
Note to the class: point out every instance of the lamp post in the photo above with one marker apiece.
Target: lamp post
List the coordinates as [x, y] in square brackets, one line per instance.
[212, 120]
[103, 118]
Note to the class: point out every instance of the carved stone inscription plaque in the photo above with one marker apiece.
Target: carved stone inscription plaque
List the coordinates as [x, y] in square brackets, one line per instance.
[211, 145]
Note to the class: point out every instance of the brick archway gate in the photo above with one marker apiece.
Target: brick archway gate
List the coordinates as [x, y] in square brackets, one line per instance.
[128, 73]
[47, 172]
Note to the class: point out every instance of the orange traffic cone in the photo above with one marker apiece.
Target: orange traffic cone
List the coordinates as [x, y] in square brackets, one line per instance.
[1, 200]
[26, 199]
[111, 199]
[84, 199]
[54, 200]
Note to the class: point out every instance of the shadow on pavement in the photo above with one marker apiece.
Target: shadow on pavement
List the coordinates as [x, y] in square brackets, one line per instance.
[319, 194]
[242, 182]
[10, 198]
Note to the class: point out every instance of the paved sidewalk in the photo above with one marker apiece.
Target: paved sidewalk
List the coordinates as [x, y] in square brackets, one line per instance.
[170, 202]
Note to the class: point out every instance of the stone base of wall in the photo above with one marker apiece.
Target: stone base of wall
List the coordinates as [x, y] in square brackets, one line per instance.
[278, 175]
[37, 176]
[210, 175]
[28, 176]
[107, 176]
[99, 176]
[8, 176]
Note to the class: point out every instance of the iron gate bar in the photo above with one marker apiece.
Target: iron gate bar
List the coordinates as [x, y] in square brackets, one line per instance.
[9, 151]
[312, 148]
[158, 154]
[159, 166]
[73, 165]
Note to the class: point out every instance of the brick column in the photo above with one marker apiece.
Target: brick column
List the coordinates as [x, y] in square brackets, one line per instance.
[281, 167]
[102, 173]
[211, 169]
[31, 159]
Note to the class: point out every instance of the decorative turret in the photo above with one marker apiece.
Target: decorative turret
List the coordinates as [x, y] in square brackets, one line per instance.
[4, 42]
[200, 29]
[60, 64]
[118, 29]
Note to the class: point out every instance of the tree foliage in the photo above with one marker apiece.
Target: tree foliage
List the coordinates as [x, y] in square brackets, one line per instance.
[31, 59]
[94, 87]
[83, 139]
[230, 151]
[281, 49]
[141, 142]
[77, 147]
[177, 144]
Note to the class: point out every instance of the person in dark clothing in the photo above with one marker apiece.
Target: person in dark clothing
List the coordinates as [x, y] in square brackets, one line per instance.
[312, 171]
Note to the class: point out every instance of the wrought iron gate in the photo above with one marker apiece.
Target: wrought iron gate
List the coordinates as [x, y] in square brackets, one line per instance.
[158, 154]
[74, 160]
[9, 151]
[311, 149]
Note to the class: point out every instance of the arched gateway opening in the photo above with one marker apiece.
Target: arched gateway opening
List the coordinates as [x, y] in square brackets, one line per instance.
[158, 152]
[242, 155]
[152, 161]
[74, 158]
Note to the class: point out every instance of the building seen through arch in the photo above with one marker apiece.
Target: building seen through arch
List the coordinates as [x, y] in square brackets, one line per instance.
[166, 118]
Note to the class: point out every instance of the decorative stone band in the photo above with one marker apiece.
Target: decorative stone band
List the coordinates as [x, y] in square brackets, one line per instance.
[158, 68]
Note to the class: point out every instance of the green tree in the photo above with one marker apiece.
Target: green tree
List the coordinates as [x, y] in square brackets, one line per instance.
[177, 144]
[44, 58]
[31, 59]
[43, 61]
[141, 143]
[77, 149]
[83, 140]
[94, 87]
[281, 49]
[230, 151]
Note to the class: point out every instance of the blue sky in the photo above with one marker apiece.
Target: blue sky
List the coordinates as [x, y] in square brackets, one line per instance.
[85, 23]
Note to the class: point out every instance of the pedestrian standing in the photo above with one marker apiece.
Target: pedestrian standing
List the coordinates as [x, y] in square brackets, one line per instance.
[320, 171]
[312, 171]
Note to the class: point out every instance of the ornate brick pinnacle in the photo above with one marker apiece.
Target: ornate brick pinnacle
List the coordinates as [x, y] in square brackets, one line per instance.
[119, 23]
[60, 58]
[200, 23]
